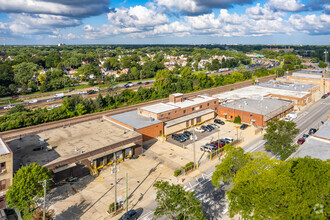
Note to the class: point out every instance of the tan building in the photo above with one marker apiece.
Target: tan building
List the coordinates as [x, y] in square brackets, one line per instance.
[6, 171]
[77, 150]
[256, 112]
[319, 77]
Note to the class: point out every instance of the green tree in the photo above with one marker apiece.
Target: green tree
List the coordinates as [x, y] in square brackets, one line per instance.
[176, 203]
[24, 72]
[234, 160]
[26, 187]
[80, 109]
[322, 64]
[270, 189]
[88, 69]
[279, 136]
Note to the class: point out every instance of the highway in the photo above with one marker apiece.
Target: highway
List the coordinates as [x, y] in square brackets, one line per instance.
[54, 100]
[213, 199]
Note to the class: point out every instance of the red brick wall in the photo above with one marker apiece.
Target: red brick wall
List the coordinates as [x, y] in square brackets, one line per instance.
[151, 131]
[245, 116]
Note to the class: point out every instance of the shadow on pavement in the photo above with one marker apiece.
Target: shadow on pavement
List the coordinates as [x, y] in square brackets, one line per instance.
[73, 212]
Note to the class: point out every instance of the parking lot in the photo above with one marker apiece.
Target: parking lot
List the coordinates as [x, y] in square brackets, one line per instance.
[226, 130]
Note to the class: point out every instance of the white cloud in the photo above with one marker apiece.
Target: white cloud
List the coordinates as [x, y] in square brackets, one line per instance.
[286, 5]
[265, 12]
[137, 16]
[39, 24]
[71, 8]
[311, 24]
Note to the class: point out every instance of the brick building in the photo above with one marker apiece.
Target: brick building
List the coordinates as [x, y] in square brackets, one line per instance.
[255, 111]
[319, 77]
[167, 118]
[6, 171]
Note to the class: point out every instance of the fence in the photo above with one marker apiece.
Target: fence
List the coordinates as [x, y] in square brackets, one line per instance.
[189, 167]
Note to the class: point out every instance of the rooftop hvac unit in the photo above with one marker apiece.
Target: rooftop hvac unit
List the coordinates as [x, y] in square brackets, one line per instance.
[152, 119]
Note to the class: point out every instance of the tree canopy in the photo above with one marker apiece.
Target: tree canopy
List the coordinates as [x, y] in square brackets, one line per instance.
[176, 203]
[26, 186]
[279, 136]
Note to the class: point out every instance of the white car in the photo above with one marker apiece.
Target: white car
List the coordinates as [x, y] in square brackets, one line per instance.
[50, 100]
[229, 139]
[199, 129]
[288, 119]
[33, 101]
[8, 107]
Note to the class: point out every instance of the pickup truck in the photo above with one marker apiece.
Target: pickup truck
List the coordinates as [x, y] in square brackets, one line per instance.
[59, 95]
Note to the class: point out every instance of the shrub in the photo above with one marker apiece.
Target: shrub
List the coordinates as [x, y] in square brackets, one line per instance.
[237, 120]
[189, 166]
[112, 207]
[177, 172]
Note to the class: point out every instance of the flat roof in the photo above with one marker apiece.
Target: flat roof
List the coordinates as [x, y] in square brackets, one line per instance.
[324, 131]
[256, 91]
[190, 102]
[159, 108]
[164, 107]
[133, 119]
[315, 148]
[262, 106]
[177, 94]
[287, 85]
[187, 117]
[3, 148]
[69, 142]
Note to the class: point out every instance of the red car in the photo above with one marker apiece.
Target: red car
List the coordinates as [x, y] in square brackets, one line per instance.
[216, 143]
[301, 140]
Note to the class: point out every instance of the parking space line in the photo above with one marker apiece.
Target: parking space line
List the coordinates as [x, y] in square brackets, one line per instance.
[145, 217]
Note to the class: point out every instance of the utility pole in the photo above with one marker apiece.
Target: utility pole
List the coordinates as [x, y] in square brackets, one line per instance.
[194, 147]
[44, 185]
[114, 169]
[126, 192]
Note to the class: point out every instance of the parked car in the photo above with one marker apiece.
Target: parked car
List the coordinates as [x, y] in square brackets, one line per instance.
[243, 126]
[218, 144]
[215, 125]
[301, 140]
[186, 137]
[305, 136]
[325, 96]
[312, 131]
[208, 148]
[70, 90]
[205, 128]
[199, 129]
[188, 133]
[178, 138]
[130, 215]
[210, 127]
[229, 139]
[224, 141]
[14, 96]
[50, 100]
[219, 121]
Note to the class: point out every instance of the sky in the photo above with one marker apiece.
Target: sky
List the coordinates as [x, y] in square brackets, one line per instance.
[39, 22]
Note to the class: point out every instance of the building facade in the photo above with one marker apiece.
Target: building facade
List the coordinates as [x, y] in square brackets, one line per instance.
[6, 171]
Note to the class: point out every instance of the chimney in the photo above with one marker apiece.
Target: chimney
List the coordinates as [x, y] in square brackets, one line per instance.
[176, 97]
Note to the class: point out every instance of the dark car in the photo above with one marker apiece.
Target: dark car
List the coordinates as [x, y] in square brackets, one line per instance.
[178, 138]
[305, 136]
[312, 131]
[131, 214]
[146, 83]
[70, 90]
[325, 96]
[186, 137]
[188, 133]
[219, 121]
[301, 140]
[243, 126]
[139, 83]
[205, 128]
[210, 127]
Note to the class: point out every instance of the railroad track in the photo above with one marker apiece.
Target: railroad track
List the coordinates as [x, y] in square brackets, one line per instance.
[20, 132]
